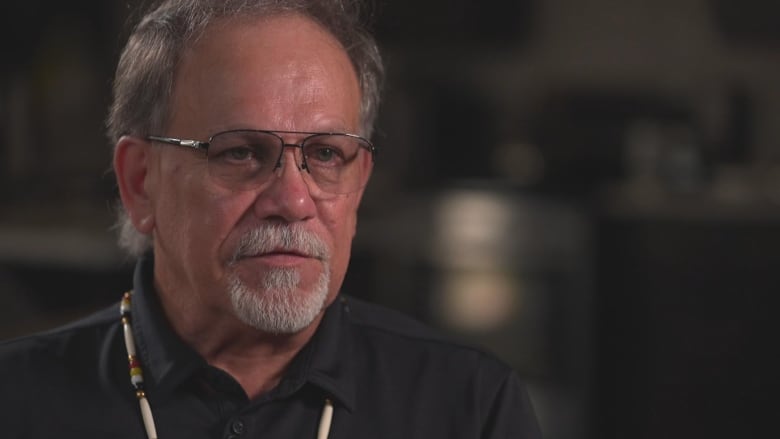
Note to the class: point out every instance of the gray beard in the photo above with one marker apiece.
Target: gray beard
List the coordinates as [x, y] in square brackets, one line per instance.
[278, 306]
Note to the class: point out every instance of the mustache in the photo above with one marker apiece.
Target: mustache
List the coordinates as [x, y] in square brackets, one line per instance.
[293, 238]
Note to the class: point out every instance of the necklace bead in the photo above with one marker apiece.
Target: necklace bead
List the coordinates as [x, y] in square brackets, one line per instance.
[134, 364]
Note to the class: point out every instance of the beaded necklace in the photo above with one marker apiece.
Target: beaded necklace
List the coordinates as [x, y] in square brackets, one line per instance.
[137, 378]
[136, 373]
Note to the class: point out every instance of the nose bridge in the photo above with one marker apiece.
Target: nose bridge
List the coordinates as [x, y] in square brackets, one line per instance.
[288, 194]
[300, 160]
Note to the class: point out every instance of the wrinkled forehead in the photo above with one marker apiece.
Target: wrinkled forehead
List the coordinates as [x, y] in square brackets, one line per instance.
[280, 70]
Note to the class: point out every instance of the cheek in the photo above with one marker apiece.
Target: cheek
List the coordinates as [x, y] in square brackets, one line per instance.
[340, 218]
[218, 215]
[225, 213]
[199, 215]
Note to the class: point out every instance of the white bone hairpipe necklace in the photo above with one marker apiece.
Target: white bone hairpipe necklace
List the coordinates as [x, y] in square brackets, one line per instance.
[137, 378]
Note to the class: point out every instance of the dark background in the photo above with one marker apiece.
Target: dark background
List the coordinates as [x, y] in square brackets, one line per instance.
[590, 189]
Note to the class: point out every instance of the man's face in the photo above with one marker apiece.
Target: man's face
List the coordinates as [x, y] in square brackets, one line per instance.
[284, 73]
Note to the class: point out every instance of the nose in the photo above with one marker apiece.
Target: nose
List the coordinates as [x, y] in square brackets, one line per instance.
[287, 197]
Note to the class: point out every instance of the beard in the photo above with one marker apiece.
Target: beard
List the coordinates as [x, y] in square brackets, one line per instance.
[278, 304]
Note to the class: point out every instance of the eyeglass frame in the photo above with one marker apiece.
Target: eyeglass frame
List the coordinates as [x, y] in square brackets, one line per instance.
[204, 146]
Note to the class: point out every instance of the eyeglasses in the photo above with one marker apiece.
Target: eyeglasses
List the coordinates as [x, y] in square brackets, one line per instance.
[338, 163]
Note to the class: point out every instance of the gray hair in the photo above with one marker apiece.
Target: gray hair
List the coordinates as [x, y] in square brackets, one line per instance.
[147, 66]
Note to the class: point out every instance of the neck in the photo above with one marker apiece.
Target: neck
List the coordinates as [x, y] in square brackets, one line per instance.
[239, 354]
[229, 344]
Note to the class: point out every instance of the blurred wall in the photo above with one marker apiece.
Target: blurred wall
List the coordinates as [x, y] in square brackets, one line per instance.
[588, 189]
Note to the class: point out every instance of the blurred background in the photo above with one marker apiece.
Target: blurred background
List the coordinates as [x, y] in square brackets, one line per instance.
[591, 190]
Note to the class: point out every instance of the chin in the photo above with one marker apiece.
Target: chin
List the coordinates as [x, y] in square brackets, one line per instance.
[279, 305]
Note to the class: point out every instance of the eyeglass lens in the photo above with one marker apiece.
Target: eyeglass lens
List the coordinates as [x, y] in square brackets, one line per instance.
[241, 160]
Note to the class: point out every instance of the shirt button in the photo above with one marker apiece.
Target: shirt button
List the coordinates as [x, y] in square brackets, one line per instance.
[237, 427]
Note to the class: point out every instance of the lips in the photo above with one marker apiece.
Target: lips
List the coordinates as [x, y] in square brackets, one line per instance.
[279, 252]
[293, 252]
[279, 258]
[280, 244]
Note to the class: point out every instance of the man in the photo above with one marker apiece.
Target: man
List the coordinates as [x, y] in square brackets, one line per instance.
[241, 157]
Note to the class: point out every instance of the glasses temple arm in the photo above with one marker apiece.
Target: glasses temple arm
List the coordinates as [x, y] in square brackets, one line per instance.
[197, 144]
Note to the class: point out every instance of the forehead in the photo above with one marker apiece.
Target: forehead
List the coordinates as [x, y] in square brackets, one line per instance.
[277, 70]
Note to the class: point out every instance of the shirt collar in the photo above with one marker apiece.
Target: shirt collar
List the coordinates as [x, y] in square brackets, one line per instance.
[325, 362]
[166, 359]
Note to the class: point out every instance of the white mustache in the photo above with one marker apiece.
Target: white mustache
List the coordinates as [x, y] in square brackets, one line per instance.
[280, 237]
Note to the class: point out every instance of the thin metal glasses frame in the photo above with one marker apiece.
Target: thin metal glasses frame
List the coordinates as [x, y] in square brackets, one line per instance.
[204, 146]
[277, 134]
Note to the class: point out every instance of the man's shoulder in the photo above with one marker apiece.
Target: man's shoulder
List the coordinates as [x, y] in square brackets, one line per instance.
[397, 333]
[382, 319]
[70, 370]
[83, 335]
[415, 367]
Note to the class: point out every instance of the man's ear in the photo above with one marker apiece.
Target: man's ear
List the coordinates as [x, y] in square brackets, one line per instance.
[132, 166]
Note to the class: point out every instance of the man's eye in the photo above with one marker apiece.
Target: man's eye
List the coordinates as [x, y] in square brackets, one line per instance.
[240, 153]
[324, 154]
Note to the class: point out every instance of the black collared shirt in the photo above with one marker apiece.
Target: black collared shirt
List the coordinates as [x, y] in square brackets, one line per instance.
[387, 375]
